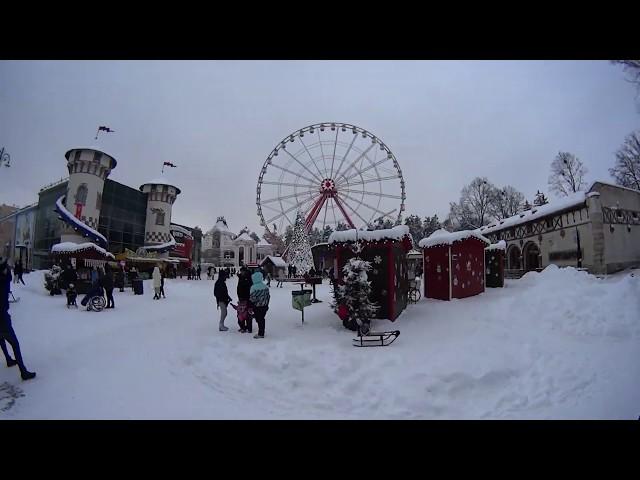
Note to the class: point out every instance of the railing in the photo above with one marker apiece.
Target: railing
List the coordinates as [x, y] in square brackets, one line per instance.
[54, 184]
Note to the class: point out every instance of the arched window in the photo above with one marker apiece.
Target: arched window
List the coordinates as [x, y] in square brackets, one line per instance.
[81, 194]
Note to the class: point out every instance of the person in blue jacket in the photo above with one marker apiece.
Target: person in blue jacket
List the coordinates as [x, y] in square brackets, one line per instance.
[7, 334]
[259, 300]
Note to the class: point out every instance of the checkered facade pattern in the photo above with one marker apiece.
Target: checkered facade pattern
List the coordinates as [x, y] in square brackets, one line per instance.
[157, 237]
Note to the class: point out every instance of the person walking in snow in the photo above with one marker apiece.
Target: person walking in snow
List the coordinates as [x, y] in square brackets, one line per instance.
[107, 283]
[7, 334]
[157, 283]
[18, 271]
[259, 301]
[222, 298]
[243, 291]
[162, 284]
[119, 279]
[198, 272]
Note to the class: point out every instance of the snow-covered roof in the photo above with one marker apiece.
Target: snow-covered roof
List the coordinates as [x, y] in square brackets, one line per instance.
[160, 181]
[220, 226]
[162, 247]
[396, 233]
[263, 243]
[70, 247]
[613, 185]
[277, 261]
[570, 201]
[443, 237]
[244, 237]
[180, 229]
[501, 245]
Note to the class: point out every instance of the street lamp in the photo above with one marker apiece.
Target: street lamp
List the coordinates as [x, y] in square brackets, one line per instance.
[5, 158]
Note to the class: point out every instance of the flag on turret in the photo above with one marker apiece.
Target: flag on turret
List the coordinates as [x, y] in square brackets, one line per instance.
[102, 128]
[169, 164]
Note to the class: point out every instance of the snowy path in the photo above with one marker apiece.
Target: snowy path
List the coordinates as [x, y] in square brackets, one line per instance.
[559, 344]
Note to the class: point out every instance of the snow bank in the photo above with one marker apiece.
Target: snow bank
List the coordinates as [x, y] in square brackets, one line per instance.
[443, 237]
[398, 232]
[559, 344]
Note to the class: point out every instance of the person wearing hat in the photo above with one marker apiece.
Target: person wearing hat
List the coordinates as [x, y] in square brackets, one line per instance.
[7, 334]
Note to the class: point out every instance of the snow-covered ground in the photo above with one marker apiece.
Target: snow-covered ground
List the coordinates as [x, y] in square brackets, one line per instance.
[558, 344]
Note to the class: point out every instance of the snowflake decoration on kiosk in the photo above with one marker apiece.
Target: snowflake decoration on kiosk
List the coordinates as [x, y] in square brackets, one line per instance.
[300, 249]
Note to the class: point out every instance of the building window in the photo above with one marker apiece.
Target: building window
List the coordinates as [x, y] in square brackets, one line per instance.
[549, 223]
[97, 156]
[76, 156]
[81, 194]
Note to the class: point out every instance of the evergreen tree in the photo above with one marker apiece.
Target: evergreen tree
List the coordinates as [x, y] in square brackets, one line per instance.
[355, 294]
[526, 206]
[416, 228]
[540, 199]
[300, 254]
[430, 225]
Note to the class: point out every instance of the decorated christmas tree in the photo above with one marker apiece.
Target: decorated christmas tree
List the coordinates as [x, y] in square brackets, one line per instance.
[300, 255]
[352, 300]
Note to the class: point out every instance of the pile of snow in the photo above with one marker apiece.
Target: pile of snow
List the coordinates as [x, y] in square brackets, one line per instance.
[501, 245]
[443, 237]
[398, 232]
[560, 344]
[70, 247]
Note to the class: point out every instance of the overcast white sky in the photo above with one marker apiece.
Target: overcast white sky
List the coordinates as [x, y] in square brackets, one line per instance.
[446, 122]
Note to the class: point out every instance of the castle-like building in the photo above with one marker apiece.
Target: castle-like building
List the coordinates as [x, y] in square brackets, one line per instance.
[222, 248]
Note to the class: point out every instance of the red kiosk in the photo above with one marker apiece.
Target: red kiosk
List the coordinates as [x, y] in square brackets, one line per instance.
[453, 264]
[387, 251]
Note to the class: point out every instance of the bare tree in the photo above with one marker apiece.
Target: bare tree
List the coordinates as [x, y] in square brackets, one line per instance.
[472, 211]
[632, 67]
[505, 202]
[567, 174]
[626, 170]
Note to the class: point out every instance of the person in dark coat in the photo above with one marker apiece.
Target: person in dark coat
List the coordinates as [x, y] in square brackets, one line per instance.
[7, 334]
[119, 279]
[162, 283]
[107, 283]
[18, 270]
[244, 284]
[198, 272]
[133, 275]
[222, 298]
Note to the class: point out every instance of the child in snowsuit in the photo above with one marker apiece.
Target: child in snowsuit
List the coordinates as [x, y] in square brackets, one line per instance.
[72, 295]
[245, 320]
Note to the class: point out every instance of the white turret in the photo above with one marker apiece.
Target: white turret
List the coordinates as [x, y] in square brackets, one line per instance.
[160, 197]
[88, 169]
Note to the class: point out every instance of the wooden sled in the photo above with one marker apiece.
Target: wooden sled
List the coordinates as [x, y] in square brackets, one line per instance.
[376, 339]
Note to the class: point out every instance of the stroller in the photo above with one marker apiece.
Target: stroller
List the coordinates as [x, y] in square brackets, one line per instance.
[94, 300]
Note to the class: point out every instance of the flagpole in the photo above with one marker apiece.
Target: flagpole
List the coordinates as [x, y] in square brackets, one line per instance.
[97, 132]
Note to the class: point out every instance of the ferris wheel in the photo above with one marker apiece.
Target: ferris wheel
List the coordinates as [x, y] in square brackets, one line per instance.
[337, 174]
